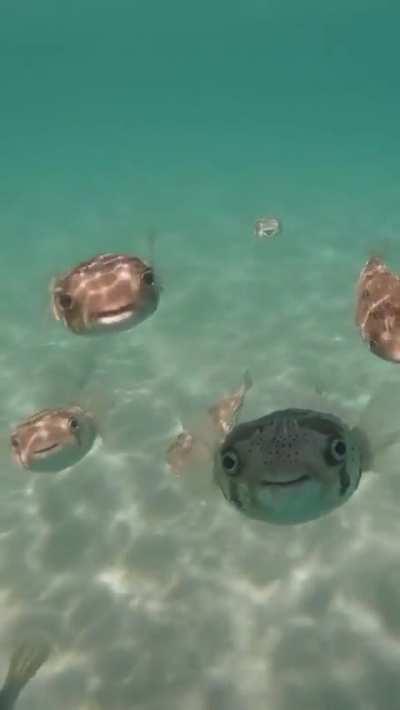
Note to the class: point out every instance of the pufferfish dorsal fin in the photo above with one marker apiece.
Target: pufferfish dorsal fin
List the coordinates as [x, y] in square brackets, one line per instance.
[225, 413]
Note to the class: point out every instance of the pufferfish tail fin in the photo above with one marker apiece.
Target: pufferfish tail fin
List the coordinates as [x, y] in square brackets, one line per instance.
[26, 660]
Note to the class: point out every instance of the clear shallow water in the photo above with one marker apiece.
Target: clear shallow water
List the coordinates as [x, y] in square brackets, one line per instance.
[196, 122]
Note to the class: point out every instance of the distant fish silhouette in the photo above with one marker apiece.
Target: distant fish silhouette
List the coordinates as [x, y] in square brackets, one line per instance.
[267, 227]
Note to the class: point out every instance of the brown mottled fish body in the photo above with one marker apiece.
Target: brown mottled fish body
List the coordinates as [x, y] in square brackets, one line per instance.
[53, 439]
[111, 292]
[378, 309]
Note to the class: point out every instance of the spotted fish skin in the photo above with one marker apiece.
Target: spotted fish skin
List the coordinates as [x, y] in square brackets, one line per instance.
[289, 467]
[378, 309]
[110, 292]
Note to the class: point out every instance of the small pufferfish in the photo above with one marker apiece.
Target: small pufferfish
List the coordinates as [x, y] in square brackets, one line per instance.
[26, 660]
[53, 439]
[378, 309]
[110, 292]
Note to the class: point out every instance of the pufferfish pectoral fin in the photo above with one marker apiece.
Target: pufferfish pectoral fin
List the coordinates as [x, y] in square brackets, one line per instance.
[190, 457]
[379, 429]
[188, 450]
[97, 405]
[384, 459]
[223, 415]
[26, 660]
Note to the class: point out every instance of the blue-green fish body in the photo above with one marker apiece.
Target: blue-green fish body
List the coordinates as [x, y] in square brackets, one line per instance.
[290, 466]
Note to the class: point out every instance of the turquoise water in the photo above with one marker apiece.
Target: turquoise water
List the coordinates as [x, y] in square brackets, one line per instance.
[196, 120]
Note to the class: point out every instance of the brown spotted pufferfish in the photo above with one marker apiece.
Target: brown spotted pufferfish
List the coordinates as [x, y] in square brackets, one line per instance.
[53, 439]
[378, 309]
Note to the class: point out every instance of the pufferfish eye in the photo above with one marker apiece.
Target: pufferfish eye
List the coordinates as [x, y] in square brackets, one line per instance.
[73, 424]
[14, 442]
[65, 300]
[337, 450]
[230, 462]
[148, 277]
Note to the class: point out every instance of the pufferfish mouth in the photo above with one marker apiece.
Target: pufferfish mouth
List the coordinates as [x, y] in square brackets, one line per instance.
[115, 314]
[293, 482]
[46, 449]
